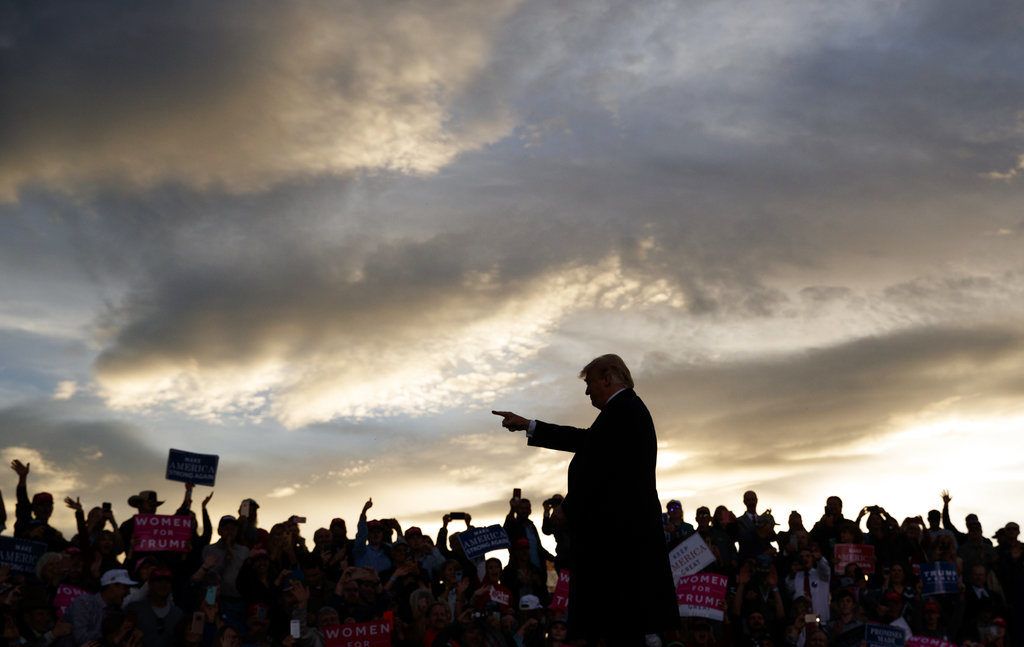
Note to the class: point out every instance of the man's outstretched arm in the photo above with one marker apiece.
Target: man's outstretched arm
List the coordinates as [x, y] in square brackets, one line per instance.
[543, 434]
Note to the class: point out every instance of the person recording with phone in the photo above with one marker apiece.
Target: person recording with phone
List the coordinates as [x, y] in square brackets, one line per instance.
[519, 526]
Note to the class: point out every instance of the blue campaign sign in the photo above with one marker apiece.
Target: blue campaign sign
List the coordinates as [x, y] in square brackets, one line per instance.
[939, 578]
[478, 541]
[189, 467]
[883, 636]
[20, 554]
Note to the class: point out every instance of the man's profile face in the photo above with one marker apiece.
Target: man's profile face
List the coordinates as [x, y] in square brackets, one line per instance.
[599, 389]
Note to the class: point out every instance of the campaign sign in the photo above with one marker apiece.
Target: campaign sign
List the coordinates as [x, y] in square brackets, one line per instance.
[376, 633]
[187, 467]
[883, 636]
[66, 594]
[20, 554]
[862, 555]
[476, 542]
[690, 557]
[702, 596]
[939, 578]
[159, 533]
[499, 597]
[922, 641]
[560, 596]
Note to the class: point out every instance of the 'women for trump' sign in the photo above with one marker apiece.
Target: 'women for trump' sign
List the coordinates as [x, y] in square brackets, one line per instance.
[702, 596]
[161, 533]
[376, 633]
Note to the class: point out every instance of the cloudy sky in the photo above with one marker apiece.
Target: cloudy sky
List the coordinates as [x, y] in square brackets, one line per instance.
[323, 240]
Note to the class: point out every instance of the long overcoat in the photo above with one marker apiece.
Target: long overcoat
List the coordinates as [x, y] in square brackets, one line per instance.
[621, 582]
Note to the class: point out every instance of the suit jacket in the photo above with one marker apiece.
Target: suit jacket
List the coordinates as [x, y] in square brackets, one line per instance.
[613, 509]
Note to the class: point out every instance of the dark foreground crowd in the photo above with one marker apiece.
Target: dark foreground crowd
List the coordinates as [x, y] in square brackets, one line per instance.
[238, 582]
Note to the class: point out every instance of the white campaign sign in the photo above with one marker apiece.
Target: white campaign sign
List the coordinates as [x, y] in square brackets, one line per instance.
[690, 557]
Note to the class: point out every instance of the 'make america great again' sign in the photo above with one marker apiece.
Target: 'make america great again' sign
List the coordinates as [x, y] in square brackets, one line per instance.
[189, 467]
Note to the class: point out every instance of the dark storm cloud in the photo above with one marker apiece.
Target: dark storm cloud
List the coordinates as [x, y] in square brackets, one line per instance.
[238, 94]
[829, 398]
[75, 442]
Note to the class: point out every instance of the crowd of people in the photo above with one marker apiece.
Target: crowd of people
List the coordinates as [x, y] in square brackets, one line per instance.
[240, 583]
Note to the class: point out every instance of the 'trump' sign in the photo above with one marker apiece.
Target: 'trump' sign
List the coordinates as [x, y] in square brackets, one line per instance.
[158, 533]
[560, 597]
[702, 596]
[939, 578]
[358, 634]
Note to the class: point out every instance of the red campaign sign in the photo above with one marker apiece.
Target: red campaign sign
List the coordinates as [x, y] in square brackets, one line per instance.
[560, 598]
[702, 596]
[502, 598]
[161, 533]
[861, 554]
[921, 641]
[376, 633]
[66, 594]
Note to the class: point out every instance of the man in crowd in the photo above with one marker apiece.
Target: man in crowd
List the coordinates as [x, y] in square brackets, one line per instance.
[159, 619]
[612, 493]
[87, 612]
[369, 549]
[32, 518]
[519, 526]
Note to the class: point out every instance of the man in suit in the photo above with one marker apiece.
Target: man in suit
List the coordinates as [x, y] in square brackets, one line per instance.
[613, 511]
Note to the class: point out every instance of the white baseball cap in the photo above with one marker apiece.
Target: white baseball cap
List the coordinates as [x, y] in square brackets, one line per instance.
[529, 603]
[116, 576]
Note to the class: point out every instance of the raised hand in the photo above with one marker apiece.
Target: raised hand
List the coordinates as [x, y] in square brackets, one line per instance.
[20, 468]
[207, 499]
[946, 498]
[300, 592]
[75, 504]
[367, 505]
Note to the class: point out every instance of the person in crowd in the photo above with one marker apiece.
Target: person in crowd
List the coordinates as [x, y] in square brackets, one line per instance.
[424, 552]
[145, 502]
[37, 624]
[755, 532]
[87, 612]
[518, 525]
[811, 581]
[369, 549]
[224, 559]
[676, 529]
[556, 525]
[159, 619]
[32, 517]
[981, 604]
[248, 523]
[825, 531]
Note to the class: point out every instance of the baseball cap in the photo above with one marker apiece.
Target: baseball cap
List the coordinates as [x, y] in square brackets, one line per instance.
[529, 602]
[116, 576]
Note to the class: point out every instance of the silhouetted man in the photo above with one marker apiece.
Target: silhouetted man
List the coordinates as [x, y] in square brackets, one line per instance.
[612, 493]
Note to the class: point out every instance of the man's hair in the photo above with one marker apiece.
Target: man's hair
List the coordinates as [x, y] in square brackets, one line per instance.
[610, 366]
